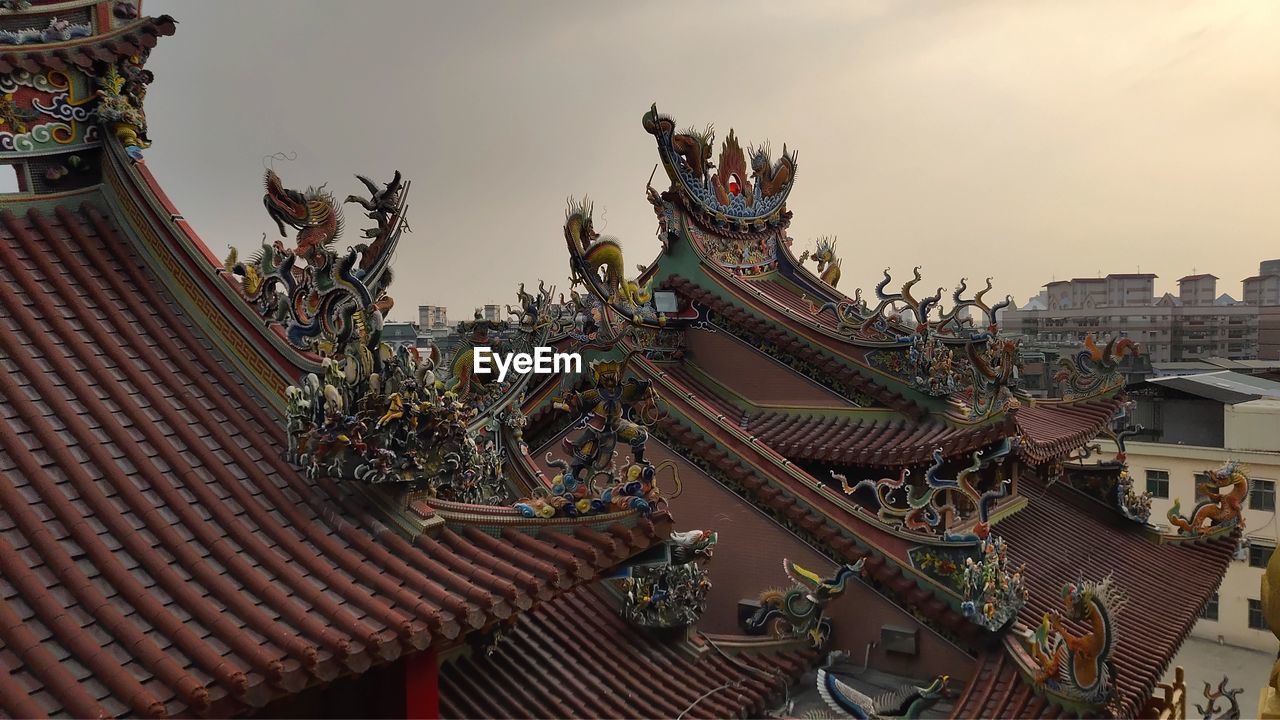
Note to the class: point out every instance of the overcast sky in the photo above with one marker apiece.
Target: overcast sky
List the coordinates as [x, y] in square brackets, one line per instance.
[1029, 141]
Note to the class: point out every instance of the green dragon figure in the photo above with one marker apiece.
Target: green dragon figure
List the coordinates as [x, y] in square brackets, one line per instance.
[797, 612]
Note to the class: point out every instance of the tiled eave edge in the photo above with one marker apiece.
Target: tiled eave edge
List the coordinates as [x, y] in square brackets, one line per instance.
[598, 542]
[82, 53]
[1040, 452]
[147, 216]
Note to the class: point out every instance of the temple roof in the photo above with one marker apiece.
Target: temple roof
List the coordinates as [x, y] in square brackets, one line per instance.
[1061, 535]
[998, 691]
[574, 657]
[158, 556]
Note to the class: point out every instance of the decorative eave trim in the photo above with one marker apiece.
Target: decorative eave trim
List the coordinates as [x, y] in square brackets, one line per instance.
[82, 53]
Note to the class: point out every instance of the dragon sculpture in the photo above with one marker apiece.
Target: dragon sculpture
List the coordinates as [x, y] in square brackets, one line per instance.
[828, 263]
[996, 375]
[673, 594]
[772, 177]
[1211, 711]
[925, 339]
[333, 297]
[463, 379]
[930, 507]
[1219, 509]
[314, 214]
[597, 262]
[798, 612]
[1077, 667]
[692, 147]
[899, 317]
[725, 198]
[905, 701]
[1094, 370]
[374, 415]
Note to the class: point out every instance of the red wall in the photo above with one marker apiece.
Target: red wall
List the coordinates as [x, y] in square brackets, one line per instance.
[754, 375]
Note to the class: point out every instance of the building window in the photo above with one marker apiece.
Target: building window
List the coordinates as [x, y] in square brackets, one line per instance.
[1262, 495]
[1255, 615]
[1210, 609]
[1259, 555]
[1158, 483]
[1203, 478]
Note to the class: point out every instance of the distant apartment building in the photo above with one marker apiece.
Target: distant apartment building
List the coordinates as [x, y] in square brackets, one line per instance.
[1269, 332]
[433, 324]
[492, 313]
[1198, 290]
[1264, 288]
[1195, 324]
[1193, 425]
[433, 316]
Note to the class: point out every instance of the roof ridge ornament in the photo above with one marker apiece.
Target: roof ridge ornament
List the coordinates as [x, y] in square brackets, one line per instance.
[825, 256]
[726, 198]
[122, 88]
[907, 700]
[1221, 510]
[674, 593]
[1076, 669]
[615, 408]
[317, 302]
[1094, 370]
[376, 415]
[798, 612]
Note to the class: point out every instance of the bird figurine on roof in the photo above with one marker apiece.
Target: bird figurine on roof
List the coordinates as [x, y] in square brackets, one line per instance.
[905, 701]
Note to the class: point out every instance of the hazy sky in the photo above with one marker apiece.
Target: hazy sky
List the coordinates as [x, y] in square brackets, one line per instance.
[1029, 141]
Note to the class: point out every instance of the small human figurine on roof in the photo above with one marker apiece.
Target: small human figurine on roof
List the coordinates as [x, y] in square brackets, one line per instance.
[606, 411]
